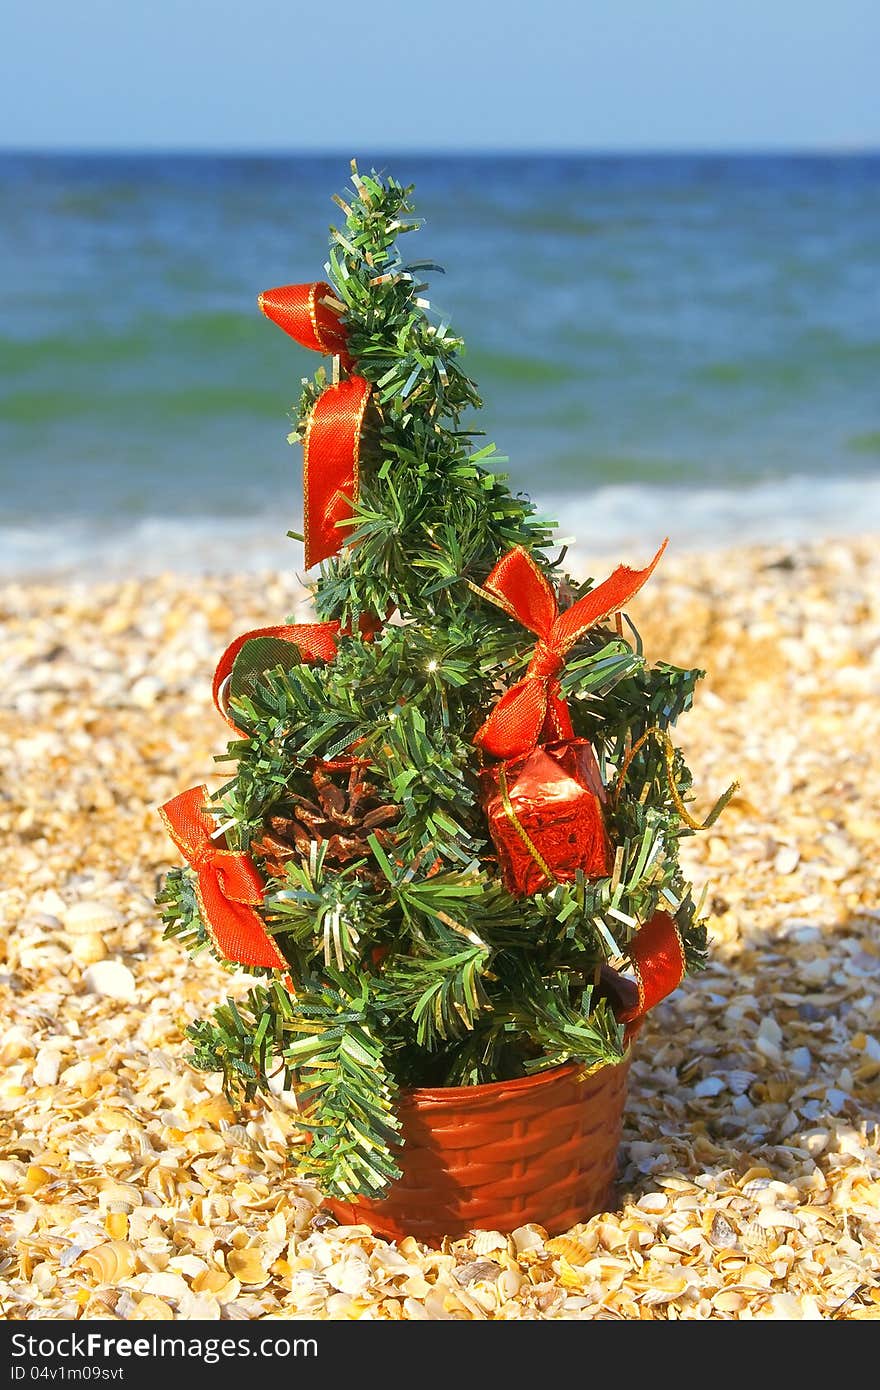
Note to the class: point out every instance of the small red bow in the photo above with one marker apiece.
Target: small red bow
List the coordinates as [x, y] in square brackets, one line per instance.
[331, 447]
[534, 708]
[228, 886]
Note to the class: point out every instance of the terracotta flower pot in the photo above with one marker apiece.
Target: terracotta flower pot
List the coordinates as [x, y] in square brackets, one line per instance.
[543, 1149]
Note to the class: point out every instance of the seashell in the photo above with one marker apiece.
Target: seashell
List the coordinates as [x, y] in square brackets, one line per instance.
[111, 1120]
[204, 1141]
[385, 1259]
[152, 1309]
[652, 1202]
[109, 979]
[215, 1208]
[339, 1306]
[785, 1191]
[721, 1234]
[755, 1188]
[247, 1266]
[528, 1238]
[237, 1134]
[215, 1110]
[728, 1301]
[161, 1181]
[484, 1242]
[485, 1296]
[165, 1284]
[567, 1248]
[47, 1066]
[350, 1275]
[610, 1235]
[35, 1178]
[198, 1307]
[678, 1221]
[786, 860]
[709, 1086]
[569, 1276]
[410, 1247]
[755, 1173]
[416, 1286]
[118, 1196]
[90, 916]
[44, 1278]
[14, 1046]
[109, 1263]
[774, 1219]
[753, 1235]
[739, 1080]
[190, 1266]
[475, 1270]
[88, 948]
[217, 1282]
[509, 1283]
[658, 1294]
[116, 1224]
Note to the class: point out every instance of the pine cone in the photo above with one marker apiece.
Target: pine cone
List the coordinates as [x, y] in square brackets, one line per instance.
[340, 814]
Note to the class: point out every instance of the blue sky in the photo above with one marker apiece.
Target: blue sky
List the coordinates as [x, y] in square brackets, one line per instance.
[440, 74]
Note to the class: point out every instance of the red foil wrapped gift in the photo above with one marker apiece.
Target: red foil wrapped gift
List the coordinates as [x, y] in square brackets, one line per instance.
[553, 805]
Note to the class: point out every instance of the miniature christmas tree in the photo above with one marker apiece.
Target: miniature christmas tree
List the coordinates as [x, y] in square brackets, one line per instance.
[455, 810]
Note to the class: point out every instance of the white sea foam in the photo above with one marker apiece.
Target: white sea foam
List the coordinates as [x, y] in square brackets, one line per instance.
[619, 520]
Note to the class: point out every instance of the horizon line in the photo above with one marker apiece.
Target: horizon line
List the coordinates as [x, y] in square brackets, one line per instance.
[429, 152]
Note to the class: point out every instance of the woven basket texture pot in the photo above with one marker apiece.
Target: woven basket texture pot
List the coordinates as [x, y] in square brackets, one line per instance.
[543, 1149]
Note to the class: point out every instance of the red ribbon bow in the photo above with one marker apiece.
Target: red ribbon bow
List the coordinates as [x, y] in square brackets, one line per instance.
[227, 886]
[534, 708]
[331, 447]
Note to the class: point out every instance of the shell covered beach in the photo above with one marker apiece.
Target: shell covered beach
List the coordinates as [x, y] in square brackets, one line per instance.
[750, 1168]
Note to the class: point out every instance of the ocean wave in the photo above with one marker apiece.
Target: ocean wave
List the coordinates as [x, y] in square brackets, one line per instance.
[623, 521]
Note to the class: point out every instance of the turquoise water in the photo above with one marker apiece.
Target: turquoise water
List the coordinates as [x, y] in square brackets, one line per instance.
[664, 344]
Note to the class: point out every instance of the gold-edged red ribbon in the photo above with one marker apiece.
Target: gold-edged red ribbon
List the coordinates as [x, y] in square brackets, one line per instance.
[228, 886]
[656, 954]
[316, 642]
[331, 446]
[533, 709]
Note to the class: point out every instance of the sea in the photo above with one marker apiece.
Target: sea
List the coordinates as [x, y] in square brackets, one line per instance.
[666, 345]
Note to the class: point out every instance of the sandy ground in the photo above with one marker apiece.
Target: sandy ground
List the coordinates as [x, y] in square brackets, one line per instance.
[750, 1180]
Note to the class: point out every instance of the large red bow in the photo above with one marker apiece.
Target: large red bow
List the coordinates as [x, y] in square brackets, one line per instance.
[331, 447]
[228, 886]
[534, 707]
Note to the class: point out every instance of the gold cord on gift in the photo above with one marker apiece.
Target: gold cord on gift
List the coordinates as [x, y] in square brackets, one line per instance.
[668, 747]
[521, 830]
